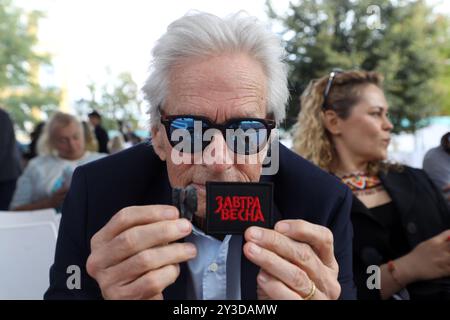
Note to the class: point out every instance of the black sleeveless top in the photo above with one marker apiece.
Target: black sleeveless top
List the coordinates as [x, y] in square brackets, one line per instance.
[395, 242]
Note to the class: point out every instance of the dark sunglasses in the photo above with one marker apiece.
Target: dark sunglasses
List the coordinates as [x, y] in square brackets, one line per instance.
[246, 136]
[331, 77]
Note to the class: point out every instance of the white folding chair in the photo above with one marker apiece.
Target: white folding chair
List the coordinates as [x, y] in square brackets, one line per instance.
[26, 217]
[27, 247]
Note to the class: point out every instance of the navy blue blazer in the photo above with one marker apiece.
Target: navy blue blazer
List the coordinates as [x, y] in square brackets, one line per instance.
[138, 177]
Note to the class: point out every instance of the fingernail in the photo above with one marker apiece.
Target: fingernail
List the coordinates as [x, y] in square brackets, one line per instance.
[254, 249]
[171, 213]
[256, 234]
[282, 227]
[191, 250]
[448, 238]
[183, 225]
[262, 277]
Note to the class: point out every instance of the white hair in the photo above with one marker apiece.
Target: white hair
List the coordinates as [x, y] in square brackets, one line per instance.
[199, 34]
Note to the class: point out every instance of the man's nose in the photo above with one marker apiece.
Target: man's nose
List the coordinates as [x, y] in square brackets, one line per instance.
[217, 156]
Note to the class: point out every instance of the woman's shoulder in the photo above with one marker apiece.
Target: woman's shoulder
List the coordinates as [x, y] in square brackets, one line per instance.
[91, 156]
[406, 172]
[402, 169]
[43, 160]
[41, 165]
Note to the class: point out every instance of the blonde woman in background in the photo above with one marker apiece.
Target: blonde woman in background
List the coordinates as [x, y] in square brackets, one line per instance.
[90, 141]
[116, 144]
[400, 220]
[46, 180]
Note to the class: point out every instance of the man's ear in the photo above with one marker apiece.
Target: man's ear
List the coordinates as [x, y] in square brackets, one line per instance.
[332, 122]
[158, 136]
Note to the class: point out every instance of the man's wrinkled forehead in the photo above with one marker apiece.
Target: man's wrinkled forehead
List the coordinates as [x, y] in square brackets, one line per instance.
[218, 88]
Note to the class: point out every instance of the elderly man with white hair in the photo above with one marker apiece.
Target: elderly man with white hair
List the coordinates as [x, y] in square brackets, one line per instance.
[119, 225]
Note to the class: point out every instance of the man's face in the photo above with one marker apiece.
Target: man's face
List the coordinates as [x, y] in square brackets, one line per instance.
[94, 121]
[219, 88]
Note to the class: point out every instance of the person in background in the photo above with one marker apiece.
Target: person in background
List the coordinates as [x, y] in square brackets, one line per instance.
[100, 133]
[32, 150]
[10, 167]
[90, 141]
[135, 139]
[116, 144]
[400, 219]
[436, 164]
[47, 178]
[124, 130]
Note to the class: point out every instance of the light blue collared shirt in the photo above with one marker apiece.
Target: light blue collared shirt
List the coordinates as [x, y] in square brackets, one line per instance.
[215, 274]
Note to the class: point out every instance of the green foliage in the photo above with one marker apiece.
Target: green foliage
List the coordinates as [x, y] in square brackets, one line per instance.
[19, 92]
[442, 82]
[20, 106]
[405, 43]
[118, 99]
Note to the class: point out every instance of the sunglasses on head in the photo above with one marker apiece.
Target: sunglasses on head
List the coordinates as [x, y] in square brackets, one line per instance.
[244, 136]
[331, 77]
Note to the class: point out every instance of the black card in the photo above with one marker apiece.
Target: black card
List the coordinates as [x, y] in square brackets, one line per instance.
[232, 207]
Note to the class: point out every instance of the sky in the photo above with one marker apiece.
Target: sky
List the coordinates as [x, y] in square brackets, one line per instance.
[87, 36]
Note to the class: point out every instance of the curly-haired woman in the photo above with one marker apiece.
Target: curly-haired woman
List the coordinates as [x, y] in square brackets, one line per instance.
[401, 221]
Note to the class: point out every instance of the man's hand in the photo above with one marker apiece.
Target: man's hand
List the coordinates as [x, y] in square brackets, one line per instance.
[296, 260]
[133, 256]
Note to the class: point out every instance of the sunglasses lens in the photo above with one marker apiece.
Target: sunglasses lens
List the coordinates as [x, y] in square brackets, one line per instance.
[247, 137]
[243, 137]
[184, 132]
